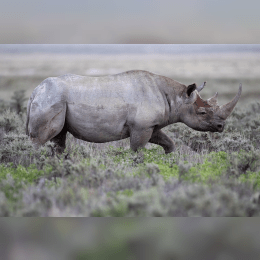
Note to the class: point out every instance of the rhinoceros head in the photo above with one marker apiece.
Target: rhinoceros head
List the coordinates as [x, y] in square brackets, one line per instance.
[205, 115]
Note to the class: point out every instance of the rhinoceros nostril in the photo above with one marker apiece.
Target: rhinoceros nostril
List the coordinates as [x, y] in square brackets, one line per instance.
[219, 126]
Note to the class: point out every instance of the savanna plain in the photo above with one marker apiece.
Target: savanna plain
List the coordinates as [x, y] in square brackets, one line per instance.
[208, 174]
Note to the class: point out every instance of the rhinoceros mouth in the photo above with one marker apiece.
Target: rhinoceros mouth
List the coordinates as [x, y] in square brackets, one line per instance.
[209, 128]
[216, 128]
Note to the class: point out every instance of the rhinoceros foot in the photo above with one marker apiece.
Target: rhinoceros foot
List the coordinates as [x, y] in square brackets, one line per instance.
[160, 138]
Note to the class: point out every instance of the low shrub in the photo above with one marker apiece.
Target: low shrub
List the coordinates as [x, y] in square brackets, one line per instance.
[11, 122]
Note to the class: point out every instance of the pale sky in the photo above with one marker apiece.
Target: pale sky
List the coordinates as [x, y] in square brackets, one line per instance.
[135, 21]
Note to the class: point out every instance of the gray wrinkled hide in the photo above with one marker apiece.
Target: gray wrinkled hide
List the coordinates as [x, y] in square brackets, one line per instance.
[135, 104]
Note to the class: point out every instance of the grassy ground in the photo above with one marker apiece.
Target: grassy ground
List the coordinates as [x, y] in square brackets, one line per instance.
[129, 238]
[209, 174]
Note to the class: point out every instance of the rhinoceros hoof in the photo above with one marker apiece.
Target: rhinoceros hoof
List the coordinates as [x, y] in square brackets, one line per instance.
[169, 150]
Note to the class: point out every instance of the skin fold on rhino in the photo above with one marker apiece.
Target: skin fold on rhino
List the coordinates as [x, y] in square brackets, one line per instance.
[135, 104]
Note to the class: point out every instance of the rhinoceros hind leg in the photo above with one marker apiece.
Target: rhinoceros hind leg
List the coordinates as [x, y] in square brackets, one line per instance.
[139, 138]
[160, 138]
[60, 140]
[46, 124]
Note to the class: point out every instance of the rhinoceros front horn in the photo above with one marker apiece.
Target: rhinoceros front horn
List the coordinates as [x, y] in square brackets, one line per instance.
[225, 110]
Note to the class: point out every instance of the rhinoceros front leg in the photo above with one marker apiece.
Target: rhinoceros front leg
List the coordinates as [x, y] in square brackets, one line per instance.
[139, 138]
[160, 138]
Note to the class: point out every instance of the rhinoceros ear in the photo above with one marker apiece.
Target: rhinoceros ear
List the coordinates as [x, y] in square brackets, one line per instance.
[191, 93]
[191, 88]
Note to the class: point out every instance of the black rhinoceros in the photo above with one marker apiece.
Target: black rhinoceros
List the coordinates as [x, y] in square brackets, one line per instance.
[135, 104]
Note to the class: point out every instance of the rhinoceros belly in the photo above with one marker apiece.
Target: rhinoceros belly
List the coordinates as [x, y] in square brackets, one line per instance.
[97, 122]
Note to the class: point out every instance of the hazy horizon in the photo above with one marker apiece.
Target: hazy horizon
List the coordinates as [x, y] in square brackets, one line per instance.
[129, 48]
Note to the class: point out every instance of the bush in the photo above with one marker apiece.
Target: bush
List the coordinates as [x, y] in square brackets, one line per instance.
[11, 122]
[220, 179]
[17, 101]
[3, 106]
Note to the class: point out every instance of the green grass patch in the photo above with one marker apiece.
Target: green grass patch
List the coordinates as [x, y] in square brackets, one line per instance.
[21, 173]
[213, 167]
[12, 179]
[252, 177]
[215, 164]
[168, 171]
[126, 192]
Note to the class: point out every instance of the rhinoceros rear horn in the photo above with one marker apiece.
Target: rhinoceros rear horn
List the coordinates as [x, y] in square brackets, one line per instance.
[225, 110]
[213, 100]
[201, 87]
